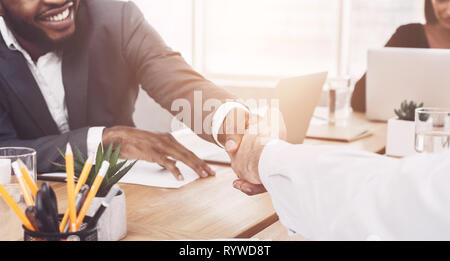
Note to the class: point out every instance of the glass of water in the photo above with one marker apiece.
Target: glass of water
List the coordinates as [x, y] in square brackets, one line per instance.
[432, 130]
[340, 92]
[10, 225]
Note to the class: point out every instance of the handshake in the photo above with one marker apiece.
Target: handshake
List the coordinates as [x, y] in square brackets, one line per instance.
[243, 135]
[245, 146]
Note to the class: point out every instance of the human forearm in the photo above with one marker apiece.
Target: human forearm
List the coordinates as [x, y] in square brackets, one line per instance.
[46, 147]
[167, 77]
[327, 193]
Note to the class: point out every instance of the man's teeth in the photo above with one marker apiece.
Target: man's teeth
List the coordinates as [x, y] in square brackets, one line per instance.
[60, 17]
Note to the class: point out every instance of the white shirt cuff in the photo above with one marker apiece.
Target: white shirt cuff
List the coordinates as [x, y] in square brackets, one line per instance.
[94, 138]
[220, 115]
[277, 155]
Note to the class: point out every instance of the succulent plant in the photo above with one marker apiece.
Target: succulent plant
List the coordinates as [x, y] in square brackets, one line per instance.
[407, 111]
[117, 170]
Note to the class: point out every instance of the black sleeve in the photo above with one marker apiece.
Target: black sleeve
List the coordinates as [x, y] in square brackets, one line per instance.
[46, 147]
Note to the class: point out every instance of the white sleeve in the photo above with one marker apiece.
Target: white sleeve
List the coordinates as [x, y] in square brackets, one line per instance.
[329, 193]
[219, 117]
[94, 137]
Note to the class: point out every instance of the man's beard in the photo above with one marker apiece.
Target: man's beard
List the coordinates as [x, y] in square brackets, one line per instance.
[32, 34]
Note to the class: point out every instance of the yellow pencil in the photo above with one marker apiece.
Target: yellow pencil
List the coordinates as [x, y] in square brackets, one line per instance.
[22, 183]
[90, 197]
[13, 205]
[81, 181]
[71, 187]
[33, 187]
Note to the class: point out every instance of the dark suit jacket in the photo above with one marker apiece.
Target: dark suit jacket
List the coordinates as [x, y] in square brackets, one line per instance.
[113, 52]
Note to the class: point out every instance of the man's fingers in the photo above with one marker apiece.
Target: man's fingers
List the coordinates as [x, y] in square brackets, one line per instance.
[170, 165]
[177, 151]
[249, 188]
[232, 143]
[235, 125]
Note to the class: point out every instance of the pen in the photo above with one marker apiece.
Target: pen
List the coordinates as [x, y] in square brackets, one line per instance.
[81, 197]
[105, 204]
[26, 175]
[31, 214]
[94, 189]
[71, 187]
[22, 184]
[13, 205]
[83, 177]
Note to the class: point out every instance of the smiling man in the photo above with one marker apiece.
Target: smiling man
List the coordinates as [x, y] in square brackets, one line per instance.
[70, 71]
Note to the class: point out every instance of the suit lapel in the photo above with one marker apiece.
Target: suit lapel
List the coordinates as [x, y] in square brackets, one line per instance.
[75, 72]
[18, 77]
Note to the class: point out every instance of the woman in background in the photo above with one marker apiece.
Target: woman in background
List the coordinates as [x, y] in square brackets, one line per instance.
[434, 34]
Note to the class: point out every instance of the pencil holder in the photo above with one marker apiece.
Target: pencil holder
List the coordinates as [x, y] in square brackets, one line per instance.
[84, 234]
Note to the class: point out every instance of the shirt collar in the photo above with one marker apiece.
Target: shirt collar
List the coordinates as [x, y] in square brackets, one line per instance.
[8, 36]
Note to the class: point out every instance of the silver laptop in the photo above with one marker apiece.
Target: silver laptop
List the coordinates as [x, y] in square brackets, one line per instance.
[398, 74]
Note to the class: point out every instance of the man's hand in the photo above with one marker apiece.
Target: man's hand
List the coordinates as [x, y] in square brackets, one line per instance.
[245, 147]
[163, 149]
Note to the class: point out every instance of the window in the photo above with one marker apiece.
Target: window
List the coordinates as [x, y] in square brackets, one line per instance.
[173, 20]
[374, 22]
[270, 39]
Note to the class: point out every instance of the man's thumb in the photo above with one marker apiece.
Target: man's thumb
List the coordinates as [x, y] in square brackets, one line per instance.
[232, 143]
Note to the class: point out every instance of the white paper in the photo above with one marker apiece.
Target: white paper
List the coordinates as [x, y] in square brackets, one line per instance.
[5, 171]
[153, 175]
[203, 149]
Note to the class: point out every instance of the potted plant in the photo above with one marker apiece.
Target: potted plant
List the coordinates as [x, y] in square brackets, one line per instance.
[401, 130]
[112, 226]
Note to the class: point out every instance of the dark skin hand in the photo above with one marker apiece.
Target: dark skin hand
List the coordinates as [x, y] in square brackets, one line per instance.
[161, 148]
[231, 139]
[245, 147]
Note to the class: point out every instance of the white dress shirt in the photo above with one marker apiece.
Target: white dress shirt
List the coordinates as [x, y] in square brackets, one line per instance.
[329, 193]
[48, 75]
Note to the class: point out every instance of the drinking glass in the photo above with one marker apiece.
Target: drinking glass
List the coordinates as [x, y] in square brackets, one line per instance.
[340, 92]
[10, 225]
[432, 130]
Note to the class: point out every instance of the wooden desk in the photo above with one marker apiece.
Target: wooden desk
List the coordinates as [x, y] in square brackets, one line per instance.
[210, 208]
[375, 143]
[277, 232]
[206, 209]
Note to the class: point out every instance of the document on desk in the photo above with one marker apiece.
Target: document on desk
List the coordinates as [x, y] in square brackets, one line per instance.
[209, 152]
[153, 175]
[146, 174]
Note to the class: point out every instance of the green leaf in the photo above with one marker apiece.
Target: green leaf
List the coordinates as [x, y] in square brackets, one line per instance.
[108, 152]
[116, 178]
[91, 178]
[115, 155]
[98, 158]
[78, 166]
[407, 110]
[114, 169]
[63, 155]
[61, 166]
[79, 155]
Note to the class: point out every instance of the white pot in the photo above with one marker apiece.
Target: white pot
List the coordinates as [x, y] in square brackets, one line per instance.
[400, 138]
[112, 226]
